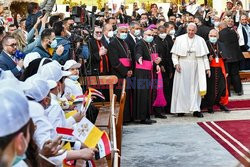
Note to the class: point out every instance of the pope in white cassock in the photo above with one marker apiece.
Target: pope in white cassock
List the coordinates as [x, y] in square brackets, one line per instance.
[189, 55]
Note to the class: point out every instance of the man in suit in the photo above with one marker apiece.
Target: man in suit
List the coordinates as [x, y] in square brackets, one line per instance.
[8, 61]
[133, 37]
[232, 49]
[108, 34]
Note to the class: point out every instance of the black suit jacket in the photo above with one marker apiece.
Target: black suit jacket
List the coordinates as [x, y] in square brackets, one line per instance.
[230, 40]
[6, 63]
[203, 31]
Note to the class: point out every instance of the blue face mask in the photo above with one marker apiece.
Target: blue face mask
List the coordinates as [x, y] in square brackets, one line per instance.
[74, 77]
[213, 39]
[53, 44]
[149, 39]
[18, 159]
[123, 36]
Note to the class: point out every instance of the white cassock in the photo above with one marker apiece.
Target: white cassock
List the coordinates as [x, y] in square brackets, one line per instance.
[72, 88]
[190, 84]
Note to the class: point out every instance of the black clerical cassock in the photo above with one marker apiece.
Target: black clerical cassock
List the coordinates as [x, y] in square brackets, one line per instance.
[119, 57]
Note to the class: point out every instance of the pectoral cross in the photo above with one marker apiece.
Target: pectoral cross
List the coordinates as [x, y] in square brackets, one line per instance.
[189, 52]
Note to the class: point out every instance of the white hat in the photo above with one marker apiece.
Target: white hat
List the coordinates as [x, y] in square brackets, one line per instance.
[14, 83]
[52, 71]
[229, 1]
[29, 58]
[39, 90]
[6, 74]
[52, 84]
[71, 64]
[14, 111]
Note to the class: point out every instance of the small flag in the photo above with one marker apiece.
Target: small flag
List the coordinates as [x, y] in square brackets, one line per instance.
[104, 146]
[95, 92]
[66, 134]
[87, 133]
[91, 163]
[71, 113]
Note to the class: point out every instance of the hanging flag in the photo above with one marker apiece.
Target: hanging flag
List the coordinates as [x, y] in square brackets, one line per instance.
[104, 146]
[87, 133]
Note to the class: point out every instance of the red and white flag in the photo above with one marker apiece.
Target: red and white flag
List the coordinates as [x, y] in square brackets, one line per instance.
[104, 146]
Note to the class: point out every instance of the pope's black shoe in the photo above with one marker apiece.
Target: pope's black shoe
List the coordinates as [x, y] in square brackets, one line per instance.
[198, 114]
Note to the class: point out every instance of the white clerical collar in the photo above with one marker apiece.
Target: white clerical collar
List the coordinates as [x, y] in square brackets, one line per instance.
[133, 37]
[107, 39]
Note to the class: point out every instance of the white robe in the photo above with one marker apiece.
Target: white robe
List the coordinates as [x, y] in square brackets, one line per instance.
[186, 97]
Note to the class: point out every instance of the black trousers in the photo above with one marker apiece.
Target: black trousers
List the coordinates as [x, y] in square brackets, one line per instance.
[234, 77]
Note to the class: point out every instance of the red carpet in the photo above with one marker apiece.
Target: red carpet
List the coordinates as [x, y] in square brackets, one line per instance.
[233, 136]
[236, 105]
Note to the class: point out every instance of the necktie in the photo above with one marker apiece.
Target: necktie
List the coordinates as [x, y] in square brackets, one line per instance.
[136, 39]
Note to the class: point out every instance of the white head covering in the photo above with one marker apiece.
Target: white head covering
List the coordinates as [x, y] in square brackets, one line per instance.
[53, 71]
[6, 74]
[14, 83]
[35, 109]
[52, 84]
[71, 64]
[29, 58]
[39, 90]
[14, 111]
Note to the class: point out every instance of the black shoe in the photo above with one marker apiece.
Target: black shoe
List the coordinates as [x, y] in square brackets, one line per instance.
[240, 93]
[180, 114]
[161, 116]
[152, 121]
[146, 122]
[224, 108]
[198, 114]
[210, 110]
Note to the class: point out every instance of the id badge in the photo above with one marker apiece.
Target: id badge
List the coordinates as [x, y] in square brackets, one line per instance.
[217, 60]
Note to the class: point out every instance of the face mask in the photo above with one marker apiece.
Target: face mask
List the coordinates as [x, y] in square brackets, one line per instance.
[115, 32]
[213, 39]
[123, 36]
[110, 34]
[216, 23]
[172, 32]
[149, 39]
[53, 45]
[74, 77]
[163, 36]
[137, 32]
[19, 158]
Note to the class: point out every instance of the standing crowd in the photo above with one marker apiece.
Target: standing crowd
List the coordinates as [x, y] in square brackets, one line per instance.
[180, 64]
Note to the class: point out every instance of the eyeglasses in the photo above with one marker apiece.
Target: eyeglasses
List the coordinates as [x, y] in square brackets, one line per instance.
[98, 32]
[13, 45]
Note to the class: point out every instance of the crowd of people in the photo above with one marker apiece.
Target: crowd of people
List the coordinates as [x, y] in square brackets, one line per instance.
[179, 64]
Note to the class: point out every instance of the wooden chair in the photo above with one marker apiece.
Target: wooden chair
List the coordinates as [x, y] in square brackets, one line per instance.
[119, 120]
[114, 154]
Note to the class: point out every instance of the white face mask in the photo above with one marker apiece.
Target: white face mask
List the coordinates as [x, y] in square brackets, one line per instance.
[163, 36]
[110, 34]
[172, 32]
[137, 32]
[216, 24]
